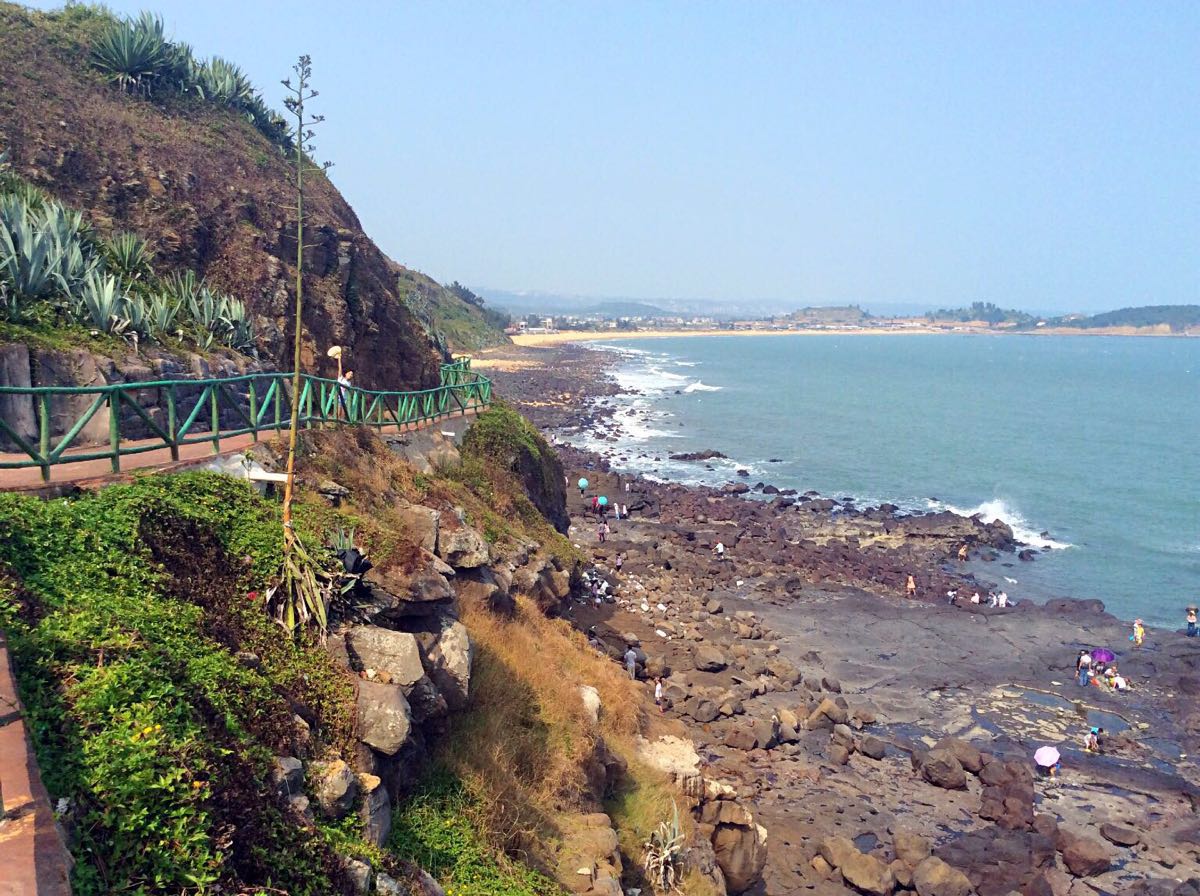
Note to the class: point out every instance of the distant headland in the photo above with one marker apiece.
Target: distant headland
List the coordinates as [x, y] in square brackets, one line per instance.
[851, 320]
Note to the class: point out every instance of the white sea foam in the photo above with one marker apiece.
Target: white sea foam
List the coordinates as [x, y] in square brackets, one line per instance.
[700, 386]
[998, 509]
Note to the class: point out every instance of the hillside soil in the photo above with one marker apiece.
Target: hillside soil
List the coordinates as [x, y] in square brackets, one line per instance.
[211, 194]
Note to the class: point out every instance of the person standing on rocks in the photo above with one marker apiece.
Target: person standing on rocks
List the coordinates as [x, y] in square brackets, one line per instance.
[964, 552]
[620, 561]
[625, 507]
[602, 531]
[910, 586]
[631, 662]
[658, 695]
[719, 550]
[1083, 667]
[1191, 622]
[1139, 633]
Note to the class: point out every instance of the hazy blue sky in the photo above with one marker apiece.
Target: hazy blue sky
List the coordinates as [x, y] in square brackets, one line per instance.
[1042, 155]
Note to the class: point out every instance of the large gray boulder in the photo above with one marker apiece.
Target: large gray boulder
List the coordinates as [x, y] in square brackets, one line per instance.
[483, 587]
[710, 658]
[933, 877]
[287, 776]
[396, 595]
[1083, 856]
[450, 656]
[384, 717]
[741, 850]
[421, 523]
[396, 654]
[376, 809]
[868, 874]
[910, 847]
[462, 547]
[942, 768]
[334, 786]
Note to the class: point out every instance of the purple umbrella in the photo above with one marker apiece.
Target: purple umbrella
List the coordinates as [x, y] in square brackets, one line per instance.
[1103, 655]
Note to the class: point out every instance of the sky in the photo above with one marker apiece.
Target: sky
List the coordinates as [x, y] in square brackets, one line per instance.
[1039, 155]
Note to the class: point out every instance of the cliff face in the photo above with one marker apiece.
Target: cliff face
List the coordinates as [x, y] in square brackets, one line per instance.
[210, 193]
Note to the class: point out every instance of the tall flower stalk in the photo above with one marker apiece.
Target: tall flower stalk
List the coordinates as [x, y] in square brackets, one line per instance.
[299, 598]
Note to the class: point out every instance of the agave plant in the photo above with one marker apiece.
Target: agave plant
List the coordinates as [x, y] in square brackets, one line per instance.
[135, 53]
[102, 304]
[127, 256]
[134, 316]
[662, 856]
[238, 325]
[204, 307]
[163, 313]
[182, 287]
[304, 592]
[222, 82]
[43, 250]
[270, 124]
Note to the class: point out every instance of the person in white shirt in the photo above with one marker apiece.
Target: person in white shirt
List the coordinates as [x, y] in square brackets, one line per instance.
[345, 384]
[631, 662]
[719, 550]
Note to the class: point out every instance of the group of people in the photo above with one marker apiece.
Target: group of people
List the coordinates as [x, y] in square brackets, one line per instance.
[997, 599]
[1089, 671]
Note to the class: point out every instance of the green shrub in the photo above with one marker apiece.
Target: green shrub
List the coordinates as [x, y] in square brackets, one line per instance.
[125, 611]
[135, 54]
[223, 83]
[127, 256]
[438, 828]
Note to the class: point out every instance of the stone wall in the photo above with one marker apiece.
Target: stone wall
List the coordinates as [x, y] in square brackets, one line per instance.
[23, 366]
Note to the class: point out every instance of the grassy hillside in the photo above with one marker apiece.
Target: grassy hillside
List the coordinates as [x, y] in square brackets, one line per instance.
[196, 165]
[453, 315]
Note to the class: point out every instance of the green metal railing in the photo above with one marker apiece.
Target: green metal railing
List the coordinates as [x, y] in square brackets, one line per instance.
[170, 413]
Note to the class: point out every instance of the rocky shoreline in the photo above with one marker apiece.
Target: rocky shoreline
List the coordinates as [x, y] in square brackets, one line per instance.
[866, 730]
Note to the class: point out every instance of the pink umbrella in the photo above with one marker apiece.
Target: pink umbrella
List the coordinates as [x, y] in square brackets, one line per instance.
[1046, 757]
[1103, 655]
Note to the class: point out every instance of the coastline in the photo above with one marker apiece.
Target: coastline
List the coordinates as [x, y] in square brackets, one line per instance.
[813, 585]
[570, 336]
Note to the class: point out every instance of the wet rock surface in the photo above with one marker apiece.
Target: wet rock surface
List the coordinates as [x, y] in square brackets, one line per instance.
[845, 715]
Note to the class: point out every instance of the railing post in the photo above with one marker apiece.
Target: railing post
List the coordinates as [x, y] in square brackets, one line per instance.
[279, 386]
[44, 434]
[216, 419]
[114, 428]
[253, 412]
[173, 422]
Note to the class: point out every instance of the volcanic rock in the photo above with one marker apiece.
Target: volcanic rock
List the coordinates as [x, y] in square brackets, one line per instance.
[942, 769]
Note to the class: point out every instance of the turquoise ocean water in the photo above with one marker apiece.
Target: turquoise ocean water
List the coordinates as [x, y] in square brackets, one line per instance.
[1092, 440]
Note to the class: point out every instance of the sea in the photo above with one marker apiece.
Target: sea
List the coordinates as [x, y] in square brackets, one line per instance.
[1087, 446]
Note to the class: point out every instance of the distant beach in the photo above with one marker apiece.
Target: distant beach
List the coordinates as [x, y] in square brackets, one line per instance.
[564, 336]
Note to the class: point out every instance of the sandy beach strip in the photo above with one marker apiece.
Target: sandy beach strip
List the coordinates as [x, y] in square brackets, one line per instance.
[565, 336]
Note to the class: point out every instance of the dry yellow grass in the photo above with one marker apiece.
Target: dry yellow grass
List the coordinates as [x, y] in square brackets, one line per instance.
[526, 739]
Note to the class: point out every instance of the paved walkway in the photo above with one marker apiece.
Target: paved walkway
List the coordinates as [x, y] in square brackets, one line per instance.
[33, 859]
[68, 472]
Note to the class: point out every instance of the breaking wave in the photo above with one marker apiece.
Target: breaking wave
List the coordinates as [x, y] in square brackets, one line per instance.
[997, 509]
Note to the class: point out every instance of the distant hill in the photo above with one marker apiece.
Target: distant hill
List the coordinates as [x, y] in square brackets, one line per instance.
[1177, 317]
[986, 312]
[626, 309]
